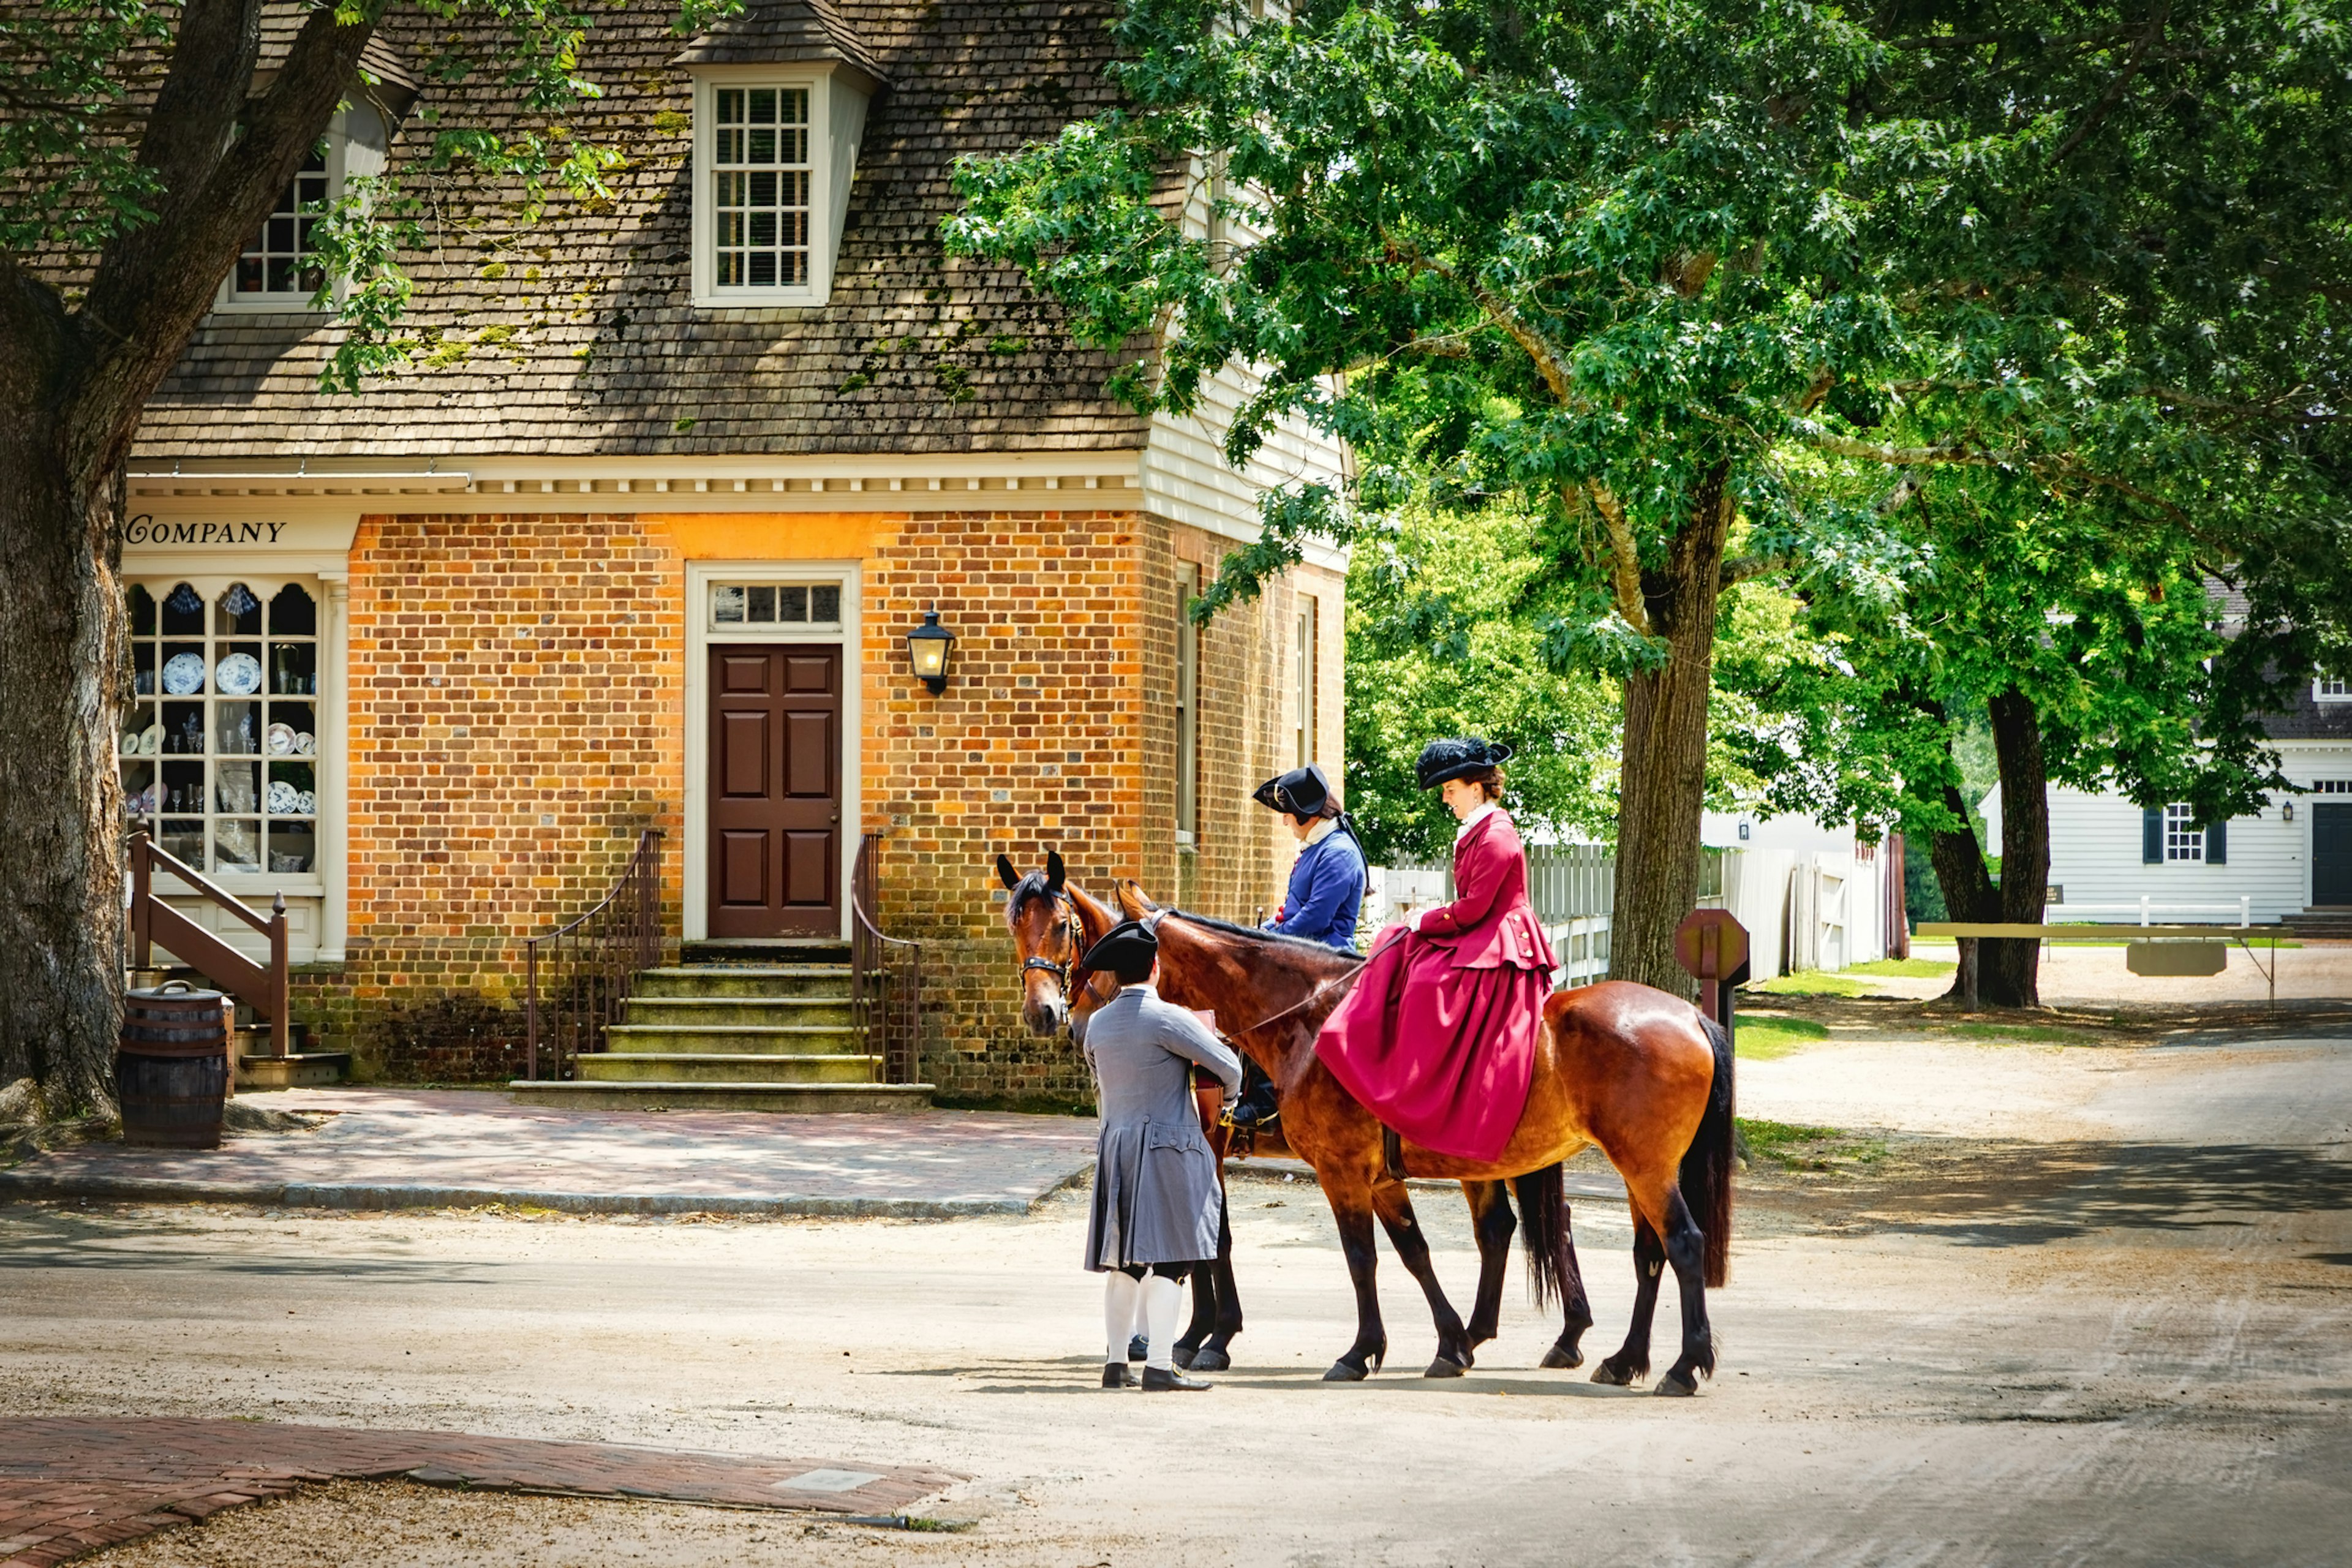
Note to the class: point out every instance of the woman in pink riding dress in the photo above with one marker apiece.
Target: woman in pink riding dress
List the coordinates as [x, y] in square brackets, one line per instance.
[1438, 1037]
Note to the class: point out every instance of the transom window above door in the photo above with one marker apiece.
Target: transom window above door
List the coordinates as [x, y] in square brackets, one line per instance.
[777, 605]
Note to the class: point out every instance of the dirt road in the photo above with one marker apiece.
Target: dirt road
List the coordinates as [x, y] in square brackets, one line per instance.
[2099, 1315]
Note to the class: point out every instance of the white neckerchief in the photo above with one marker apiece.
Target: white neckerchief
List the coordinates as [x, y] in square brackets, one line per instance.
[1143, 985]
[1324, 827]
[1474, 819]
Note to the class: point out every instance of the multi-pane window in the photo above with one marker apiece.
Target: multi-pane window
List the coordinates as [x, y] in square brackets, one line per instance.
[1188, 700]
[760, 184]
[2332, 688]
[276, 261]
[1305, 657]
[2183, 838]
[813, 605]
[220, 737]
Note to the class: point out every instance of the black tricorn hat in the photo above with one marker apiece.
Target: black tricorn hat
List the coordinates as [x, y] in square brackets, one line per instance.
[1301, 791]
[1456, 757]
[1127, 949]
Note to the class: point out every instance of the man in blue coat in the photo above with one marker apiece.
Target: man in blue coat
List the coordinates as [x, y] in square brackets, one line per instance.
[1326, 895]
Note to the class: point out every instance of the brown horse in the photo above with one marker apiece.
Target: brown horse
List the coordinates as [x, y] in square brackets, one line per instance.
[1642, 1075]
[1052, 924]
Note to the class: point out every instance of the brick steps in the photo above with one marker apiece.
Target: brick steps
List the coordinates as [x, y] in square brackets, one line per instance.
[728, 1067]
[800, 1099]
[738, 1035]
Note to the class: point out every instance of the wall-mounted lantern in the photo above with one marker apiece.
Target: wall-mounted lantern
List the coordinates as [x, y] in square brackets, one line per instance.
[2286, 811]
[927, 650]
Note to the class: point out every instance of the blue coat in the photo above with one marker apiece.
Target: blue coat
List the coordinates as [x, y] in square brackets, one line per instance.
[1327, 892]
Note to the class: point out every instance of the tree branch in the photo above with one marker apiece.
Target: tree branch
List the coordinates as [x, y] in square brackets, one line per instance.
[2113, 95]
[1625, 559]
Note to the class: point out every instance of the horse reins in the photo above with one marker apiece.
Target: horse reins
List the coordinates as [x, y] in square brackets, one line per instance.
[1323, 988]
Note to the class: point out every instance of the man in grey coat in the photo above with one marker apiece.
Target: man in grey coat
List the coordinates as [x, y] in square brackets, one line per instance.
[1157, 1203]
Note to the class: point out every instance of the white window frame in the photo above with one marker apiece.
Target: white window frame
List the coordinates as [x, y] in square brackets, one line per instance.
[701, 576]
[348, 155]
[837, 124]
[2184, 840]
[1188, 705]
[1308, 655]
[2326, 688]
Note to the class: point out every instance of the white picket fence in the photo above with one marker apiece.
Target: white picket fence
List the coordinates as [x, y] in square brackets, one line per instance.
[1572, 886]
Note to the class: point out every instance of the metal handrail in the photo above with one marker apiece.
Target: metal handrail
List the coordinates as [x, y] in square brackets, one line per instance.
[886, 975]
[592, 962]
[264, 989]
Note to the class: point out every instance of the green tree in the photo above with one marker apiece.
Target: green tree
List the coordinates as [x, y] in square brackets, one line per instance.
[142, 144]
[1714, 285]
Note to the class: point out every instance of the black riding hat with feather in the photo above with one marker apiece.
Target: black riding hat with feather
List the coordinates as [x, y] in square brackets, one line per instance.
[1456, 757]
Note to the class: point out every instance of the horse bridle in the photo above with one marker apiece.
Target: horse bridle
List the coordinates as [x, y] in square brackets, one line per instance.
[1066, 922]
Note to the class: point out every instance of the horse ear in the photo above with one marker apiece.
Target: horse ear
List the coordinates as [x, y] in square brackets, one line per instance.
[1054, 870]
[1004, 872]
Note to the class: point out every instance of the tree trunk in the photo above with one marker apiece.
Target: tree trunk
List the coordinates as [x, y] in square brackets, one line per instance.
[1662, 779]
[2010, 975]
[61, 657]
[1968, 893]
[2001, 971]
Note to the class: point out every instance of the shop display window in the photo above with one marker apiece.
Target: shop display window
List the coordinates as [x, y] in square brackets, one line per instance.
[219, 741]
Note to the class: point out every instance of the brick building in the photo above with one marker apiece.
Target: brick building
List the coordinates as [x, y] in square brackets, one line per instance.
[683, 467]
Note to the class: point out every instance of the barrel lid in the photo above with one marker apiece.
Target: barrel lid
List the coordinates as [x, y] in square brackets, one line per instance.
[175, 991]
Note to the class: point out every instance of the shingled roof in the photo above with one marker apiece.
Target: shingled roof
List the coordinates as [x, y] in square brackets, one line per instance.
[766, 31]
[578, 336]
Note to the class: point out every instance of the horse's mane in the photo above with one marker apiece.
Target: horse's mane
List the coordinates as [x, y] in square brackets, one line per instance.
[1033, 886]
[1271, 937]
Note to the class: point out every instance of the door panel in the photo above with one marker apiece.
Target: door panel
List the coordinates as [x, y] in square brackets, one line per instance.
[775, 799]
[2331, 853]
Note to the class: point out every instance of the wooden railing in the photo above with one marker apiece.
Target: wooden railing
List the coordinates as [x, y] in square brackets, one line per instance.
[577, 976]
[154, 921]
[886, 975]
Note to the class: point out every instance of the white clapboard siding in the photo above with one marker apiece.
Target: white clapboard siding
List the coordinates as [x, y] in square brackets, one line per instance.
[2094, 859]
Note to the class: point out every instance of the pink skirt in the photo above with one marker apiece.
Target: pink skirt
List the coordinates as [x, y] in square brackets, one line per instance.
[1440, 1054]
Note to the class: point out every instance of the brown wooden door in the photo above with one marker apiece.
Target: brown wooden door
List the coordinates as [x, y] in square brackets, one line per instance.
[776, 791]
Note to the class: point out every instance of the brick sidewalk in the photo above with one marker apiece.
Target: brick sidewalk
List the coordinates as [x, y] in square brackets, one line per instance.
[459, 1149]
[69, 1486]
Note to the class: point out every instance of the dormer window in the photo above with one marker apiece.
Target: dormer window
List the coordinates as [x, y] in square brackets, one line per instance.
[276, 264]
[761, 181]
[276, 269]
[776, 148]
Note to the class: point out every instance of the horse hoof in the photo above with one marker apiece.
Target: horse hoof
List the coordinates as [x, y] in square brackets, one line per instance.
[1674, 1385]
[1210, 1359]
[1181, 1357]
[1559, 1360]
[1445, 1366]
[1343, 1373]
[1618, 1376]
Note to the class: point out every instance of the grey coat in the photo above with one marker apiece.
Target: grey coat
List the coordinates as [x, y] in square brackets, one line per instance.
[1157, 1199]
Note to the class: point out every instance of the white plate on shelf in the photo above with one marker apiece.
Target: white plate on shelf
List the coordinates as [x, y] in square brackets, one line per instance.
[280, 740]
[303, 744]
[150, 740]
[238, 675]
[282, 798]
[183, 674]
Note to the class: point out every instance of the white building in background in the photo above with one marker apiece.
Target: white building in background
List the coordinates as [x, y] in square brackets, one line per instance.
[1811, 897]
[2289, 860]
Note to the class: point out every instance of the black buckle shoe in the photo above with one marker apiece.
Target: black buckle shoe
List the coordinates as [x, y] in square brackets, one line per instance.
[1138, 1348]
[1116, 1375]
[1155, 1381]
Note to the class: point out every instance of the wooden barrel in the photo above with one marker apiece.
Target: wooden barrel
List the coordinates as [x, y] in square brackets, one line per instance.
[171, 1068]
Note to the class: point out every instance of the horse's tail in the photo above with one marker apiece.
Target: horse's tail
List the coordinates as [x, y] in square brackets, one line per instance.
[1707, 1163]
[1543, 1214]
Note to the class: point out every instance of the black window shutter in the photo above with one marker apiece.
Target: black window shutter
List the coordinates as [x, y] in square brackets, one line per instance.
[2217, 844]
[2152, 836]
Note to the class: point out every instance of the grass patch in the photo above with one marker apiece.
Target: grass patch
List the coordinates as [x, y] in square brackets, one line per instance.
[1767, 1039]
[1908, 968]
[1816, 982]
[1791, 1146]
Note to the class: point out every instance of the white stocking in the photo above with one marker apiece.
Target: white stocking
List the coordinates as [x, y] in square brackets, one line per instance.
[1162, 1300]
[1120, 1314]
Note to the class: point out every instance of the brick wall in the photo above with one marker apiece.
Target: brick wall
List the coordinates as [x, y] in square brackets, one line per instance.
[514, 699]
[516, 713]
